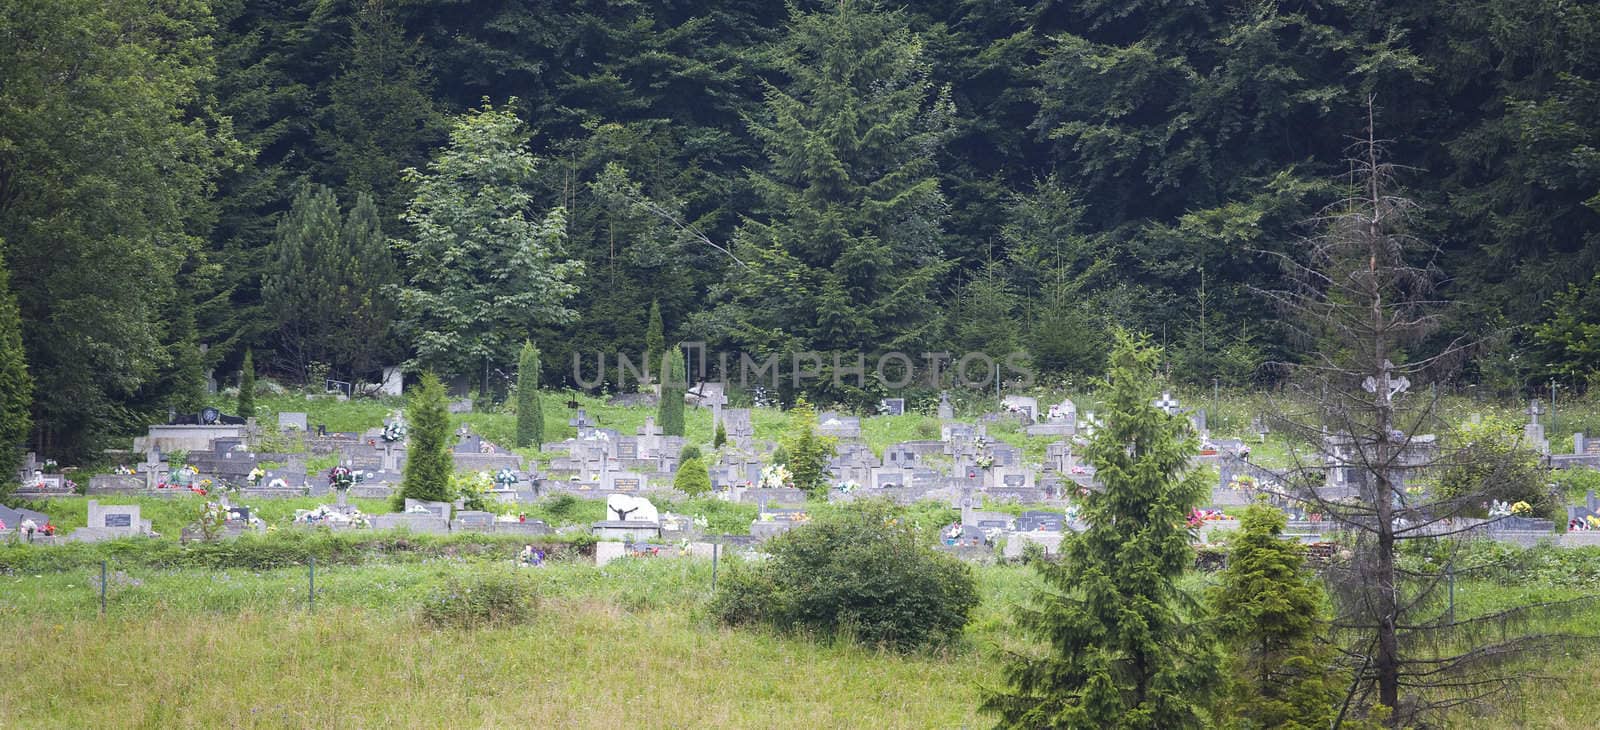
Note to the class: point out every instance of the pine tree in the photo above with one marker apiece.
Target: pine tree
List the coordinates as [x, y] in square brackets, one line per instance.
[530, 409]
[16, 385]
[720, 438]
[247, 385]
[429, 465]
[692, 478]
[669, 413]
[1120, 646]
[302, 287]
[1268, 608]
[365, 339]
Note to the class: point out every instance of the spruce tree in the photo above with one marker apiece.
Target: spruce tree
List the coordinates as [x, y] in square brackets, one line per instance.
[850, 201]
[719, 439]
[530, 411]
[669, 413]
[16, 385]
[1121, 649]
[247, 385]
[428, 462]
[1268, 608]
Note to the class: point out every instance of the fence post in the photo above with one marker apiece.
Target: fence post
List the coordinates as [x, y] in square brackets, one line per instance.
[311, 591]
[715, 549]
[102, 588]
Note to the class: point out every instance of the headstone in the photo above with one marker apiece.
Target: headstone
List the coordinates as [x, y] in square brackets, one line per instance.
[740, 430]
[1533, 434]
[394, 382]
[292, 421]
[946, 410]
[892, 406]
[1022, 405]
[1167, 403]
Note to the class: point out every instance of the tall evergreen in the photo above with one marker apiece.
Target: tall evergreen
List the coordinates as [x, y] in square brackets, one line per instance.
[655, 342]
[845, 250]
[1121, 647]
[303, 284]
[1268, 609]
[16, 385]
[480, 273]
[669, 413]
[429, 465]
[530, 409]
[247, 385]
[366, 309]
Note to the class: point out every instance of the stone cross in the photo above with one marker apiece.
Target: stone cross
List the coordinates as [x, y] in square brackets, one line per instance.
[1535, 409]
[650, 428]
[946, 410]
[716, 400]
[1167, 403]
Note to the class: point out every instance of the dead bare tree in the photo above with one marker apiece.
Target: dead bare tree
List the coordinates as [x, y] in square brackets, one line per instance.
[1358, 409]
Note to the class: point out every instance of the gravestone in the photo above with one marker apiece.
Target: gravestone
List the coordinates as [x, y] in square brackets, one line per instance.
[1167, 403]
[946, 410]
[892, 406]
[1533, 434]
[1022, 405]
[293, 422]
[393, 382]
[740, 430]
[837, 426]
[1038, 521]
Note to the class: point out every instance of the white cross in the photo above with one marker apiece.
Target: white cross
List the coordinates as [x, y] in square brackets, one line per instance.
[1167, 404]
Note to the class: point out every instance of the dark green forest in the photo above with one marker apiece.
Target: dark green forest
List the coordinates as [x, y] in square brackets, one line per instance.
[337, 185]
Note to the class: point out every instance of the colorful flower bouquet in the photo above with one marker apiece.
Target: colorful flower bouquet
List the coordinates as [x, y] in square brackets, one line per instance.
[341, 478]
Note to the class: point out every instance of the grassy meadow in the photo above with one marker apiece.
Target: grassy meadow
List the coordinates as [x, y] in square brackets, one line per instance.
[627, 645]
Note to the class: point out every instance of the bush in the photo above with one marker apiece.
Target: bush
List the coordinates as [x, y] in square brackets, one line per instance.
[480, 600]
[692, 478]
[690, 451]
[861, 572]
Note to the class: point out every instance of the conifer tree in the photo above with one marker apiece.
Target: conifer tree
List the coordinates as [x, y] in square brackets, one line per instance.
[850, 199]
[1268, 608]
[720, 438]
[480, 270]
[247, 385]
[655, 342]
[1120, 645]
[530, 410]
[669, 413]
[692, 478]
[428, 462]
[16, 385]
[806, 451]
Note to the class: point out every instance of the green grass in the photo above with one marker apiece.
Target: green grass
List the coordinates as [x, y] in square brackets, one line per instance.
[235, 647]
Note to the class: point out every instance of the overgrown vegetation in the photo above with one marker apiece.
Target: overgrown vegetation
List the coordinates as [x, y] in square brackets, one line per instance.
[861, 573]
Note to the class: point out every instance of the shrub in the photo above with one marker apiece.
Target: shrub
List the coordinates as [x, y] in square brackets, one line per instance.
[690, 451]
[861, 572]
[480, 600]
[721, 438]
[692, 478]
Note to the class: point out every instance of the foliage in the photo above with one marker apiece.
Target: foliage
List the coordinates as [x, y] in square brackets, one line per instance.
[806, 452]
[1488, 461]
[429, 465]
[247, 385]
[655, 344]
[674, 384]
[479, 273]
[692, 478]
[1570, 338]
[1121, 645]
[1267, 608]
[689, 451]
[858, 572]
[530, 408]
[16, 384]
[848, 202]
[720, 438]
[480, 599]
